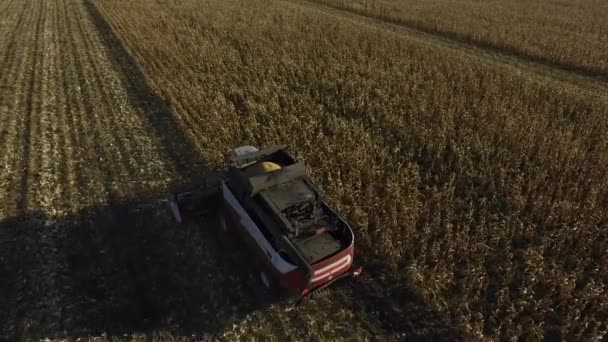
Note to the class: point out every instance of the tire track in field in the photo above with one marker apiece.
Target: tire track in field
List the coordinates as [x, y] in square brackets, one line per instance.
[594, 86]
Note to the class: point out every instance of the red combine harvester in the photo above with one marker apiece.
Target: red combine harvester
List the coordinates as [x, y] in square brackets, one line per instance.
[301, 244]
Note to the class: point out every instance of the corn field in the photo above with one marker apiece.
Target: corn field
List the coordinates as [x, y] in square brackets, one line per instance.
[471, 162]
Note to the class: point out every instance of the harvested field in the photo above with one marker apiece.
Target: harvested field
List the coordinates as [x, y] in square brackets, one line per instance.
[70, 133]
[476, 182]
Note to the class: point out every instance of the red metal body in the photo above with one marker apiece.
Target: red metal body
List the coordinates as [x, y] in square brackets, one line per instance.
[288, 276]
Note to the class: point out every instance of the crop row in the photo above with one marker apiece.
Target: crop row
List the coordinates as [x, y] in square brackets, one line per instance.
[569, 34]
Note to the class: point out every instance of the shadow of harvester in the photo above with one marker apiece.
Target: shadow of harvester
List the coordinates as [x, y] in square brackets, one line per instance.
[117, 269]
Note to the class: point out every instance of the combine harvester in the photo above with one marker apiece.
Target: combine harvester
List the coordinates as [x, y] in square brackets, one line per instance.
[300, 244]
